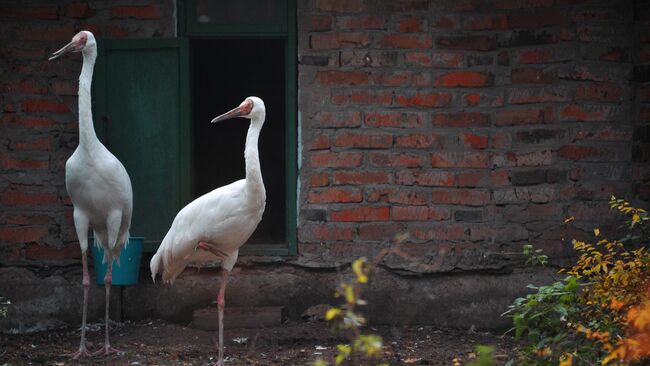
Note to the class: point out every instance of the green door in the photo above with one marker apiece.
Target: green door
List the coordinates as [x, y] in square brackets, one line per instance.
[141, 116]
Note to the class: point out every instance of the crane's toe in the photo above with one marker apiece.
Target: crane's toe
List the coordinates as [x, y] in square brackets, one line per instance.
[80, 354]
[107, 350]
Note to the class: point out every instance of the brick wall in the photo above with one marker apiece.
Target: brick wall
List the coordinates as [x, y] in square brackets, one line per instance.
[475, 126]
[641, 79]
[38, 129]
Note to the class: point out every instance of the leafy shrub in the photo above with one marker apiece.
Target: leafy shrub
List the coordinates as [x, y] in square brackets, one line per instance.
[600, 312]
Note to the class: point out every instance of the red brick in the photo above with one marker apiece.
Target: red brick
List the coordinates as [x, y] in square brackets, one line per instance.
[410, 25]
[37, 144]
[18, 198]
[604, 134]
[474, 43]
[45, 33]
[414, 141]
[332, 233]
[395, 160]
[65, 87]
[319, 180]
[361, 22]
[513, 117]
[319, 141]
[321, 23]
[460, 159]
[379, 232]
[578, 152]
[618, 54]
[336, 119]
[395, 78]
[483, 22]
[361, 177]
[336, 160]
[361, 214]
[525, 4]
[452, 232]
[396, 195]
[424, 178]
[48, 253]
[536, 56]
[474, 141]
[599, 93]
[43, 105]
[338, 40]
[501, 140]
[419, 213]
[340, 6]
[394, 120]
[23, 87]
[37, 12]
[116, 31]
[406, 41]
[30, 219]
[460, 119]
[586, 113]
[335, 195]
[427, 100]
[23, 234]
[363, 140]
[465, 197]
[137, 12]
[537, 19]
[500, 178]
[7, 162]
[465, 79]
[28, 121]
[445, 22]
[472, 179]
[371, 97]
[531, 76]
[79, 9]
[472, 99]
[342, 78]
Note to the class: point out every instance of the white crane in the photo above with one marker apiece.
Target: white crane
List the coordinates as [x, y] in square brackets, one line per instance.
[215, 225]
[98, 185]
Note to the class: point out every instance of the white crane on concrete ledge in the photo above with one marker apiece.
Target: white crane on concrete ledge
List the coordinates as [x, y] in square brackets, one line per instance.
[215, 225]
[98, 185]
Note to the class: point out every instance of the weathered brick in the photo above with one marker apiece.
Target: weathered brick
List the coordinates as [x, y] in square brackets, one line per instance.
[44, 105]
[582, 112]
[377, 97]
[336, 160]
[26, 12]
[19, 198]
[513, 117]
[41, 144]
[379, 232]
[426, 100]
[424, 178]
[460, 159]
[397, 196]
[361, 177]
[395, 160]
[536, 56]
[395, 78]
[339, 40]
[361, 22]
[468, 215]
[475, 43]
[23, 87]
[450, 232]
[485, 22]
[539, 136]
[319, 180]
[340, 6]
[419, 213]
[527, 38]
[598, 93]
[336, 119]
[575, 152]
[320, 23]
[465, 197]
[531, 76]
[368, 58]
[363, 140]
[79, 9]
[528, 177]
[394, 119]
[411, 24]
[7, 162]
[522, 4]
[472, 179]
[500, 178]
[532, 158]
[536, 19]
[331, 233]
[136, 12]
[28, 121]
[528, 95]
[342, 78]
[23, 234]
[45, 33]
[361, 214]
[474, 141]
[406, 41]
[466, 79]
[414, 141]
[334, 195]
[460, 119]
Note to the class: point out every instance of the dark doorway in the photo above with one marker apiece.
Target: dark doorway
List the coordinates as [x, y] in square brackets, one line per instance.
[224, 73]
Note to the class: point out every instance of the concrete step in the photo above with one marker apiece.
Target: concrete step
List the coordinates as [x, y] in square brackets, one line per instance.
[238, 317]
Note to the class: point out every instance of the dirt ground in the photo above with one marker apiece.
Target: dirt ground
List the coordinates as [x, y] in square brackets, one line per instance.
[294, 343]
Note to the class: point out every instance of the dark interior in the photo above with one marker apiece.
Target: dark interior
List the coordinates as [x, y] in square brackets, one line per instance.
[225, 72]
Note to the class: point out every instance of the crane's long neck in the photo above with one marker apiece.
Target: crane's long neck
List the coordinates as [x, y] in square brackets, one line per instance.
[254, 182]
[87, 136]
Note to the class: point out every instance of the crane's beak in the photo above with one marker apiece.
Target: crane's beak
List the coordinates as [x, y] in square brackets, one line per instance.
[67, 48]
[244, 109]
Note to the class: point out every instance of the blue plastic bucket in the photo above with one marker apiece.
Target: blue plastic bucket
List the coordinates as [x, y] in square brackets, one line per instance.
[128, 271]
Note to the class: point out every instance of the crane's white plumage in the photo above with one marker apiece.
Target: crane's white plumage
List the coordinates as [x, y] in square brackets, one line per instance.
[98, 184]
[215, 225]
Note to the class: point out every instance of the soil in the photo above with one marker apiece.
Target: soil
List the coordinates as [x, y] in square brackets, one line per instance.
[293, 343]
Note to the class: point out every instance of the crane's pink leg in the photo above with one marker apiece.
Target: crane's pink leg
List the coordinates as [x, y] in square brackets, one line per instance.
[211, 248]
[83, 351]
[108, 280]
[221, 304]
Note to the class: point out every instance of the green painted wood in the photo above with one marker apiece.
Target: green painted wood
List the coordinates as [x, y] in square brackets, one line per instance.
[145, 124]
[291, 126]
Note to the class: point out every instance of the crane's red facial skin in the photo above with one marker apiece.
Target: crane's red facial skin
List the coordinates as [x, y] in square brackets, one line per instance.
[244, 109]
[76, 45]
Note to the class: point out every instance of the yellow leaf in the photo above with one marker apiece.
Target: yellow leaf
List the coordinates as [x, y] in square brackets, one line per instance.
[597, 231]
[569, 219]
[358, 268]
[332, 313]
[636, 218]
[566, 360]
[349, 294]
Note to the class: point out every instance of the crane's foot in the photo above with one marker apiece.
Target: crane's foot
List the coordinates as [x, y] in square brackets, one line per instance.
[80, 354]
[219, 363]
[107, 350]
